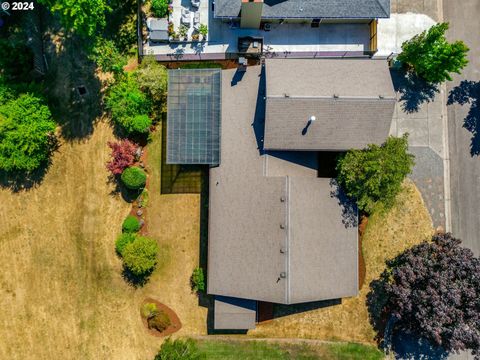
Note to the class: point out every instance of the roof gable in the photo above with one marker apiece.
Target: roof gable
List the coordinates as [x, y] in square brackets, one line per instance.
[352, 102]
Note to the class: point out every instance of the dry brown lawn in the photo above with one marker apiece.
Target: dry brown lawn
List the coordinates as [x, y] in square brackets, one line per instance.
[61, 291]
[386, 235]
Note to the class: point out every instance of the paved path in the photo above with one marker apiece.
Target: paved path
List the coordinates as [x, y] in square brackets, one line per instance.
[420, 109]
[464, 167]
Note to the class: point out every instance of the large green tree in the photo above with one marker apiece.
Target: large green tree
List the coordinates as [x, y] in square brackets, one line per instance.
[106, 55]
[374, 175]
[153, 78]
[128, 105]
[84, 17]
[26, 132]
[432, 57]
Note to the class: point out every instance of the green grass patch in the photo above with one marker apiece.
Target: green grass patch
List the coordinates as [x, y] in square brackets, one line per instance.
[260, 350]
[354, 351]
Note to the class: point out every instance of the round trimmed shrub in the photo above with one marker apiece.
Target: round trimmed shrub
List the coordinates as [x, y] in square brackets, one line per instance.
[122, 241]
[134, 177]
[159, 322]
[140, 256]
[160, 8]
[131, 224]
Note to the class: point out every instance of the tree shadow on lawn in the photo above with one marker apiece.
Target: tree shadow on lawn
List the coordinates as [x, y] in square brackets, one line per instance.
[74, 90]
[468, 92]
[410, 346]
[127, 194]
[413, 90]
[18, 181]
[135, 280]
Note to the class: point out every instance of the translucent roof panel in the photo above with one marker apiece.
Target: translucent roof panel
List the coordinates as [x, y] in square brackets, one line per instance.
[193, 120]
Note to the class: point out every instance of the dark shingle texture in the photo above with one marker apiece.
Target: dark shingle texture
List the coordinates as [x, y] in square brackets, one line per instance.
[250, 225]
[335, 9]
[360, 114]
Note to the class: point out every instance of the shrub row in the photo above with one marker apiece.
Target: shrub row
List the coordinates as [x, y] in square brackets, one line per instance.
[134, 178]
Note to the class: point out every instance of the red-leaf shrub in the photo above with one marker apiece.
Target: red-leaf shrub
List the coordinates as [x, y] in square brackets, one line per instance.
[123, 156]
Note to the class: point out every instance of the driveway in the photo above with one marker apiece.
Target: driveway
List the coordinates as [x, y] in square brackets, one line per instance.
[464, 125]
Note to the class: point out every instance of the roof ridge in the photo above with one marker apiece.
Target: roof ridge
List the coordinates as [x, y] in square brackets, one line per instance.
[287, 214]
[386, 11]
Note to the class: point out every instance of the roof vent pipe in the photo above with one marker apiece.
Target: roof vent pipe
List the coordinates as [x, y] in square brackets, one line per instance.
[312, 118]
[283, 275]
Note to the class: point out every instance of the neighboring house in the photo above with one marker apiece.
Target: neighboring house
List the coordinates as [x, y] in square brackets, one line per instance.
[279, 229]
[252, 13]
[273, 28]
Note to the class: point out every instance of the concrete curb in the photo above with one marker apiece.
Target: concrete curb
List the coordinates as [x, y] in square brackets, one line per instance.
[446, 162]
[446, 145]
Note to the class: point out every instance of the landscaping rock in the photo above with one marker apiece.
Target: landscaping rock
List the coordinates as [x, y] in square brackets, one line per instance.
[139, 212]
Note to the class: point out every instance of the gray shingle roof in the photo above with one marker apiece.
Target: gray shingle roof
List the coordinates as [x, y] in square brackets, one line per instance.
[360, 113]
[342, 9]
[269, 214]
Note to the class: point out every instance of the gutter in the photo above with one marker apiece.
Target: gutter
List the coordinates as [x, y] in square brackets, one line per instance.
[226, 17]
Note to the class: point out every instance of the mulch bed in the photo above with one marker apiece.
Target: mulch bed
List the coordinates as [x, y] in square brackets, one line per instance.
[362, 270]
[135, 207]
[175, 321]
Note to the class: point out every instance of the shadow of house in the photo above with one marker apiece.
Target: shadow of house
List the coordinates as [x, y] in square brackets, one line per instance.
[468, 92]
[259, 117]
[414, 91]
[237, 77]
[280, 310]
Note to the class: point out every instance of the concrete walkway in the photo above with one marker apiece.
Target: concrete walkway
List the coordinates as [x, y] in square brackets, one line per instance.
[420, 110]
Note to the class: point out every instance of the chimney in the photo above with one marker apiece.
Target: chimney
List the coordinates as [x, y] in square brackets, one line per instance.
[251, 14]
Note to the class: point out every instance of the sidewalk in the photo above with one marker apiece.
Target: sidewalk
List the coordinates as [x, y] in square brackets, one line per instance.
[420, 109]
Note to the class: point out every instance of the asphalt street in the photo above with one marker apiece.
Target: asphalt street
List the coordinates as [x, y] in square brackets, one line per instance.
[464, 144]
